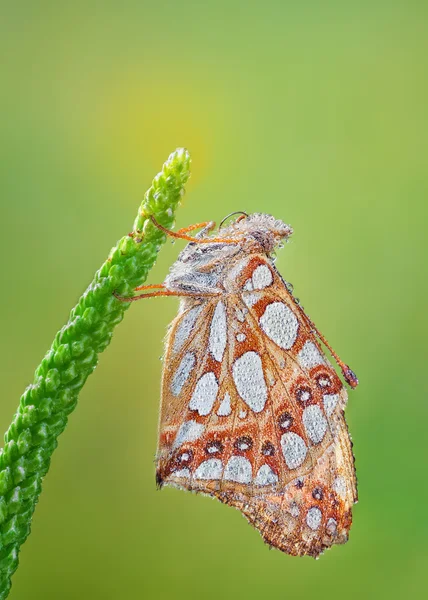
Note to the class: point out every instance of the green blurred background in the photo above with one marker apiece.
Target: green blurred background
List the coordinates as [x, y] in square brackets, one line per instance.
[313, 111]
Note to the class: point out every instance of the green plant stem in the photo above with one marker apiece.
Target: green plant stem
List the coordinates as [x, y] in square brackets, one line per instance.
[45, 405]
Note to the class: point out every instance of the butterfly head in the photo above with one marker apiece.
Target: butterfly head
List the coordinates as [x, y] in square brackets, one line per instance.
[259, 230]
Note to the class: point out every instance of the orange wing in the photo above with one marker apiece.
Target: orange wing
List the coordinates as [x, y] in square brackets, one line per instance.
[252, 413]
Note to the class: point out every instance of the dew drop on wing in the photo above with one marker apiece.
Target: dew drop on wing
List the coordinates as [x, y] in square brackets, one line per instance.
[289, 286]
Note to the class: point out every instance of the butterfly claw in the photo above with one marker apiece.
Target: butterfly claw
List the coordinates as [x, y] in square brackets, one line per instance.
[119, 297]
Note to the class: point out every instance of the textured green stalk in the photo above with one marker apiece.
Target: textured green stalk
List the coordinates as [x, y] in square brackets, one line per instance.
[45, 405]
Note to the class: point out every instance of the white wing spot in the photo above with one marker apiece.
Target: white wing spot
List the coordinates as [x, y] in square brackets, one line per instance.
[315, 423]
[251, 299]
[188, 432]
[249, 380]
[248, 286]
[182, 373]
[238, 469]
[330, 401]
[242, 444]
[262, 277]
[218, 332]
[184, 329]
[241, 314]
[204, 394]
[209, 469]
[294, 509]
[304, 396]
[280, 324]
[323, 382]
[224, 409]
[331, 526]
[182, 473]
[235, 271]
[242, 414]
[241, 337]
[294, 449]
[313, 518]
[265, 476]
[339, 486]
[309, 356]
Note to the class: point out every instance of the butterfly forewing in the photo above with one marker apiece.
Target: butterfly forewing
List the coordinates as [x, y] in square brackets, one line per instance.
[252, 412]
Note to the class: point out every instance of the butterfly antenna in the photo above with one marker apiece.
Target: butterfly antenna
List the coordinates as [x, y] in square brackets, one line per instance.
[243, 214]
[348, 374]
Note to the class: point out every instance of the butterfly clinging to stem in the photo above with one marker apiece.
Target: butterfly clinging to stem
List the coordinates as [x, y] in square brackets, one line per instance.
[252, 412]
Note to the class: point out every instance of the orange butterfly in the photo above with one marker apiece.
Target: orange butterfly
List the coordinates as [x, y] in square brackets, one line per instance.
[252, 411]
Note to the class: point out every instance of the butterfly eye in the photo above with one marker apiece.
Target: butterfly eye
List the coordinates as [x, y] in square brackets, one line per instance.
[214, 447]
[244, 443]
[268, 449]
[303, 394]
[285, 420]
[317, 494]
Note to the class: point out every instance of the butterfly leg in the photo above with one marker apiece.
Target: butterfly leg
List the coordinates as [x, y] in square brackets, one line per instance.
[161, 291]
[207, 225]
[182, 235]
[155, 286]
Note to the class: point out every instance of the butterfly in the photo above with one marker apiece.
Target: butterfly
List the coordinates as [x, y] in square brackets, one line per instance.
[252, 411]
